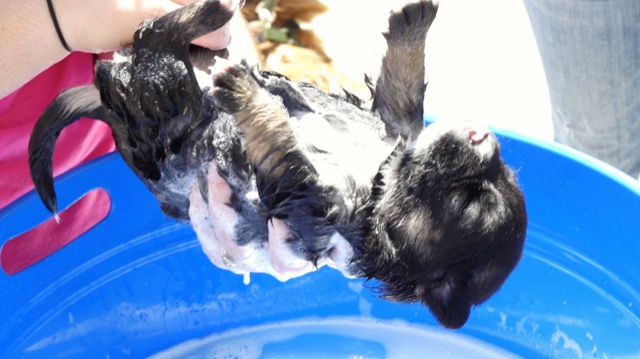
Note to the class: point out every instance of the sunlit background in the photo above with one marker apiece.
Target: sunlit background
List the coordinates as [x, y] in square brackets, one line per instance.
[482, 60]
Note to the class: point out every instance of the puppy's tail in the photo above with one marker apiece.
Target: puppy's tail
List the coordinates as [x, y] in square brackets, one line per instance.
[69, 106]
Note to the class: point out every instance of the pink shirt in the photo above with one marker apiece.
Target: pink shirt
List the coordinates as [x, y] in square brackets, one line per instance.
[78, 143]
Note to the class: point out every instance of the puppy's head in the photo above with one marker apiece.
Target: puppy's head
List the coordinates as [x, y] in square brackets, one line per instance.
[449, 224]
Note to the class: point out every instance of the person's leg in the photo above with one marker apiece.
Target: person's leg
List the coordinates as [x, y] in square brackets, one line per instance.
[591, 55]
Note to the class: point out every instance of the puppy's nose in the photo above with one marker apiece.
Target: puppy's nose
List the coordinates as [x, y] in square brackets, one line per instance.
[476, 136]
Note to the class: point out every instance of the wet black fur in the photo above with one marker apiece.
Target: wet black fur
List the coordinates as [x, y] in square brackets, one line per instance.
[470, 212]
[474, 224]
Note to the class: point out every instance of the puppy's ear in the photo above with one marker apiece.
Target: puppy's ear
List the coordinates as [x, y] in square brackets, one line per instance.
[447, 300]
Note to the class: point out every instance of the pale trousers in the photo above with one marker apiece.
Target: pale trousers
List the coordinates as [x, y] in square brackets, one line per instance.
[590, 50]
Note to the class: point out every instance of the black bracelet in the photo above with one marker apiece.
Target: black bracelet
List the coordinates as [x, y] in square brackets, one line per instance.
[57, 26]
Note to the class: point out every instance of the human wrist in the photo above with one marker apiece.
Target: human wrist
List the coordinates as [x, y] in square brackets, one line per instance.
[29, 43]
[89, 26]
[56, 25]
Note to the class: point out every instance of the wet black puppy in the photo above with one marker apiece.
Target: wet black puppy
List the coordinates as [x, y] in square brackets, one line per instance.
[433, 214]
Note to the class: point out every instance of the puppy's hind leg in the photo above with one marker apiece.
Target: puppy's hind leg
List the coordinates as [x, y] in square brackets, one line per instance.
[158, 83]
[182, 26]
[399, 91]
[155, 93]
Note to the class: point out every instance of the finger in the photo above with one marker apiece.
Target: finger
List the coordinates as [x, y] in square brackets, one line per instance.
[224, 219]
[340, 255]
[217, 40]
[199, 218]
[221, 38]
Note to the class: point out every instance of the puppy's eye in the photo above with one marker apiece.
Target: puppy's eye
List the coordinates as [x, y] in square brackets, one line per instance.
[437, 276]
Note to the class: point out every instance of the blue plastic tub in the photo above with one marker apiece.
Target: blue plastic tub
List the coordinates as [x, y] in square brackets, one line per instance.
[139, 285]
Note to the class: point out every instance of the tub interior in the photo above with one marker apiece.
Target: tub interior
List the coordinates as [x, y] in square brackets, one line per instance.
[138, 284]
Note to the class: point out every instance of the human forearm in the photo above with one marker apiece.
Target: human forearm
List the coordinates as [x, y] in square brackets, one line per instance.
[29, 43]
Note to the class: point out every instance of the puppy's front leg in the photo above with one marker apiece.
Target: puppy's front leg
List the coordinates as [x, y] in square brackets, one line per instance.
[399, 92]
[288, 184]
[262, 122]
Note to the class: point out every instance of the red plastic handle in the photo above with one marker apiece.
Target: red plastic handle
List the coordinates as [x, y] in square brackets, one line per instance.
[34, 245]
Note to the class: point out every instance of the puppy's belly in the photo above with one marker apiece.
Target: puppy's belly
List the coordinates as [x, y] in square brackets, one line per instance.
[355, 150]
[214, 224]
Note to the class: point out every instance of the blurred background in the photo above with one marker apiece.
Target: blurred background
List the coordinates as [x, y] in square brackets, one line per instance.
[482, 61]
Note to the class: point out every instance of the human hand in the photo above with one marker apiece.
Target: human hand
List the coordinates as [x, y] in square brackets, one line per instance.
[97, 26]
[214, 222]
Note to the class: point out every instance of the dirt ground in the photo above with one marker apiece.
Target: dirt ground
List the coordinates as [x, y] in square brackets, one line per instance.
[482, 61]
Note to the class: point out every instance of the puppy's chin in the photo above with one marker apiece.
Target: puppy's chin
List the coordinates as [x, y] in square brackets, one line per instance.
[450, 224]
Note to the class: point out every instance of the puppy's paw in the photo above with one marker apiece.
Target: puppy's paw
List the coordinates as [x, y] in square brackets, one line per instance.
[233, 86]
[412, 22]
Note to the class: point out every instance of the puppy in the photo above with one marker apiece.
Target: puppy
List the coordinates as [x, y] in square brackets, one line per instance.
[278, 177]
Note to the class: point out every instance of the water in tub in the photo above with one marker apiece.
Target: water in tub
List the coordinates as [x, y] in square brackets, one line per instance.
[352, 338]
